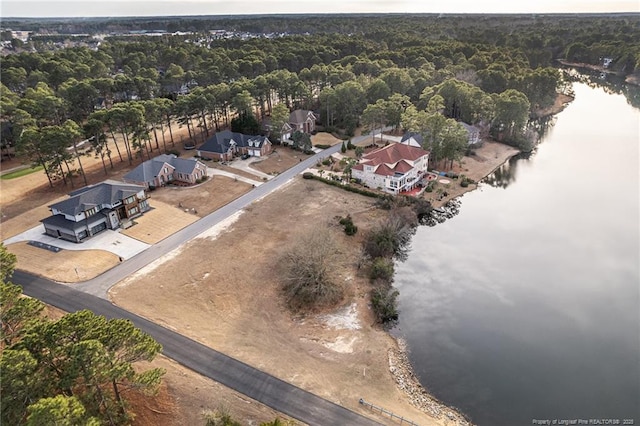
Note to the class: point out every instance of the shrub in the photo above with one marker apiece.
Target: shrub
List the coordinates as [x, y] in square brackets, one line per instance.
[465, 181]
[381, 269]
[349, 227]
[389, 239]
[385, 305]
[326, 162]
[322, 146]
[343, 148]
[350, 145]
[307, 175]
[173, 151]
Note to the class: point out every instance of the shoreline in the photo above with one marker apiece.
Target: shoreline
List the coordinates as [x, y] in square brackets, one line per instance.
[400, 366]
[406, 380]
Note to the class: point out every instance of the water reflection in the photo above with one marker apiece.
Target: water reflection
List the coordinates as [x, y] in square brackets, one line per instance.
[611, 83]
[525, 305]
[506, 174]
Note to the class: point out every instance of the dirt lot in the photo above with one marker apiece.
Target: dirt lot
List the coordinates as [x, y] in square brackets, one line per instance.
[236, 306]
[68, 266]
[204, 198]
[281, 159]
[160, 222]
[324, 138]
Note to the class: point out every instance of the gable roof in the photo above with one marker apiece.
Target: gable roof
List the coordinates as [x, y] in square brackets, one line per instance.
[222, 141]
[469, 128]
[107, 192]
[402, 167]
[384, 170]
[150, 169]
[301, 115]
[415, 135]
[395, 152]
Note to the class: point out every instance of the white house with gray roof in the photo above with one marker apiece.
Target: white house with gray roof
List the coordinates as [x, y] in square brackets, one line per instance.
[166, 168]
[94, 208]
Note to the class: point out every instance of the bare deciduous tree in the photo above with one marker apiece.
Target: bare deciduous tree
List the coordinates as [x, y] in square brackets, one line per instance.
[308, 266]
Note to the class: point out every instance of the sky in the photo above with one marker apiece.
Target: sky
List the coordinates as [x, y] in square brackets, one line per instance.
[92, 8]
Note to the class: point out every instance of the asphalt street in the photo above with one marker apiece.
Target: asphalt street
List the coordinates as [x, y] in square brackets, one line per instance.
[256, 384]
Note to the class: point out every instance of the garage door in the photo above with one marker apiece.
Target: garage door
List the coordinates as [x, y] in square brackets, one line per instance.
[99, 227]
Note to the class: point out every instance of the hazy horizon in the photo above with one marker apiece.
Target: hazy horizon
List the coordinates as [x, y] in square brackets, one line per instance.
[149, 8]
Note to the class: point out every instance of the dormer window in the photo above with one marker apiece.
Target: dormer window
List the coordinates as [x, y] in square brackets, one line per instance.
[90, 212]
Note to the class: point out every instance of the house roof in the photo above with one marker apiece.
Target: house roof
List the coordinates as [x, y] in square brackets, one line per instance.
[150, 169]
[222, 141]
[395, 152]
[384, 170]
[470, 128]
[415, 135]
[300, 116]
[402, 167]
[60, 221]
[107, 192]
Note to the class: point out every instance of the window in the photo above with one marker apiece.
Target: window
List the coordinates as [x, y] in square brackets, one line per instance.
[133, 210]
[90, 212]
[130, 200]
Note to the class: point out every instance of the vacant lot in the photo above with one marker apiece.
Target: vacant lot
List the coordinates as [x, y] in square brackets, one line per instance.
[323, 138]
[201, 199]
[68, 266]
[224, 292]
[281, 159]
[161, 221]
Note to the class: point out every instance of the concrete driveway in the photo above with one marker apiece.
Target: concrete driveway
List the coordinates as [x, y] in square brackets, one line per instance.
[212, 172]
[108, 240]
[245, 165]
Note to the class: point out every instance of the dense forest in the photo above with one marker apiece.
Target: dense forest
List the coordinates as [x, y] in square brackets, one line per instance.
[424, 73]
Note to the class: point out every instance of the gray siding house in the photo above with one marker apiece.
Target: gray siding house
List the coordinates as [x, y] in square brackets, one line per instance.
[94, 208]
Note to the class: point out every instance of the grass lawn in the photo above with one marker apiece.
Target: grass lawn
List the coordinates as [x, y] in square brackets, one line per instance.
[21, 172]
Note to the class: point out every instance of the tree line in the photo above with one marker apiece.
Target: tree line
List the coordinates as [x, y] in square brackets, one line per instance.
[124, 95]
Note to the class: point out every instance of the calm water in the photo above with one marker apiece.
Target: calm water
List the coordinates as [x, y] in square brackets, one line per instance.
[526, 304]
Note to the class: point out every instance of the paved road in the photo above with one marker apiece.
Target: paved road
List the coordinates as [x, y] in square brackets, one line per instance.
[258, 385]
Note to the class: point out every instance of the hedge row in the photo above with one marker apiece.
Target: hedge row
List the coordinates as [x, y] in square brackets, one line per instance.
[347, 187]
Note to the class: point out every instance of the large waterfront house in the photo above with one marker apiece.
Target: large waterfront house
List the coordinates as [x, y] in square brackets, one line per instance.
[94, 208]
[225, 145]
[166, 168]
[394, 168]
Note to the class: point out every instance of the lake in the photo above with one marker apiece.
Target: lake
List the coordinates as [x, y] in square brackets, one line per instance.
[526, 304]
